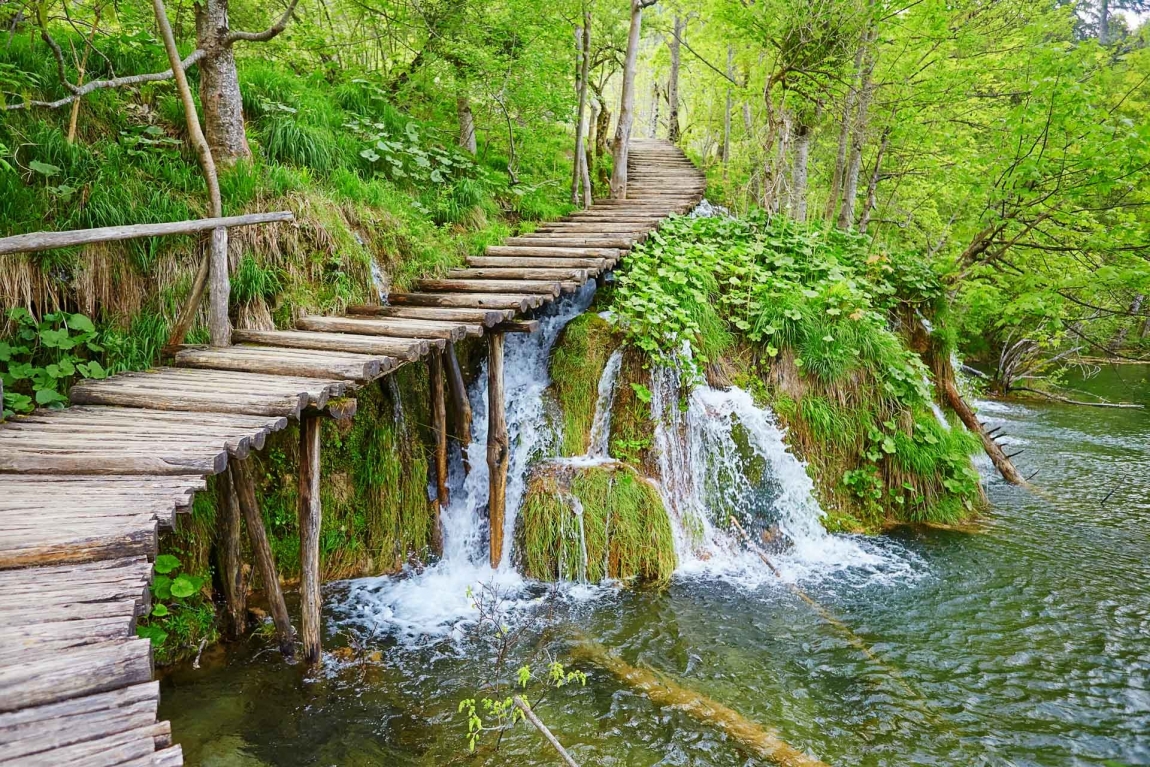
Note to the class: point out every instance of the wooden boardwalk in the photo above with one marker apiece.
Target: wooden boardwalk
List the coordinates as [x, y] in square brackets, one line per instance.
[85, 492]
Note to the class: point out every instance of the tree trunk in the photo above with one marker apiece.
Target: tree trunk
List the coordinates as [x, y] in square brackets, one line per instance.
[872, 185]
[582, 34]
[466, 124]
[799, 167]
[585, 79]
[626, 104]
[215, 262]
[726, 151]
[1104, 22]
[653, 129]
[844, 138]
[858, 137]
[220, 85]
[673, 132]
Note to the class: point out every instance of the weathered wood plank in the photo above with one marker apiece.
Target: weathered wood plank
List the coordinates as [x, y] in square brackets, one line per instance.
[398, 328]
[484, 317]
[518, 302]
[405, 349]
[78, 671]
[37, 241]
[542, 287]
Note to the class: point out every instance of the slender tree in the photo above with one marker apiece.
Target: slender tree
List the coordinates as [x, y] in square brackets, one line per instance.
[627, 101]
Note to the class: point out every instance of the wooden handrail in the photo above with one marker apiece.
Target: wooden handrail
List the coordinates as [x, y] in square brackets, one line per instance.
[37, 241]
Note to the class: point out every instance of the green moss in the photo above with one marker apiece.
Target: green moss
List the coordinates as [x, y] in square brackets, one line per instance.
[632, 429]
[577, 364]
[625, 527]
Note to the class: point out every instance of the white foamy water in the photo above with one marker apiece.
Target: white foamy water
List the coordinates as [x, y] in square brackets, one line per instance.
[434, 603]
[704, 480]
[601, 423]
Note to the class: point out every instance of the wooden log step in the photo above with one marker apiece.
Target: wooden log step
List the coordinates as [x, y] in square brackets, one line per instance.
[540, 287]
[69, 433]
[483, 317]
[223, 391]
[517, 326]
[569, 241]
[398, 328]
[404, 349]
[614, 218]
[575, 226]
[39, 734]
[518, 302]
[273, 360]
[117, 461]
[519, 273]
[553, 252]
[173, 756]
[593, 265]
[80, 542]
[164, 399]
[95, 413]
[76, 591]
[231, 379]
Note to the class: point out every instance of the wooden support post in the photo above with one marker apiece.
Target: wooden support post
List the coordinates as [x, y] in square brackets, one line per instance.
[498, 446]
[309, 526]
[460, 405]
[231, 565]
[240, 472]
[439, 424]
[219, 293]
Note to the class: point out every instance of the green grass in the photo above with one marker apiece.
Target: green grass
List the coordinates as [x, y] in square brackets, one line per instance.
[625, 527]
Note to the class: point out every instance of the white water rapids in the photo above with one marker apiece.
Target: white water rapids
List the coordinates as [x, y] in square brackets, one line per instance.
[708, 446]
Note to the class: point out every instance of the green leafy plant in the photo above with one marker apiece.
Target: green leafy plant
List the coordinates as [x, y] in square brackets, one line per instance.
[43, 356]
[175, 594]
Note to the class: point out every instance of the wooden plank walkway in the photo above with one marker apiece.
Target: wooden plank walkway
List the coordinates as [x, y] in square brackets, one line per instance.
[85, 492]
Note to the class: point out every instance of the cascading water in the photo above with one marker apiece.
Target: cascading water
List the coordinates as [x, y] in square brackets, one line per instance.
[433, 603]
[706, 477]
[601, 422]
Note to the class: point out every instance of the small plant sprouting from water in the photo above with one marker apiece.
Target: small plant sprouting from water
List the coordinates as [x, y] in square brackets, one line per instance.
[509, 680]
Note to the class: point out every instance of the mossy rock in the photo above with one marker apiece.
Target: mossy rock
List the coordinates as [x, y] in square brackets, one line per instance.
[577, 363]
[632, 428]
[626, 529]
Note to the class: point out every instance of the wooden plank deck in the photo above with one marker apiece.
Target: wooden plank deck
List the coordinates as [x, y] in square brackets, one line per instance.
[85, 492]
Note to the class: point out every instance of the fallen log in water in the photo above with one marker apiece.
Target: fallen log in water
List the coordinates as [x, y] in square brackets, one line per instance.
[662, 691]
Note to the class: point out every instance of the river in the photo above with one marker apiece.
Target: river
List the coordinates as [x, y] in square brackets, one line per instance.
[1025, 641]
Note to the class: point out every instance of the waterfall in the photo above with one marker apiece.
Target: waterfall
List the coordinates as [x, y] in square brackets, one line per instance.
[435, 603]
[601, 423]
[709, 450]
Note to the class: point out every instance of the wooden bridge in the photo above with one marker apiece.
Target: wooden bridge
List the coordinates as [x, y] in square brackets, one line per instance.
[85, 491]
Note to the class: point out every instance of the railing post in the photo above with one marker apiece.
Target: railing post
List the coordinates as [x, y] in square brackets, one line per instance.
[220, 291]
[498, 446]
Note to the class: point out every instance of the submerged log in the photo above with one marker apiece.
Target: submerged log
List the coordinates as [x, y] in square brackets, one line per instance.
[310, 511]
[241, 476]
[664, 692]
[498, 446]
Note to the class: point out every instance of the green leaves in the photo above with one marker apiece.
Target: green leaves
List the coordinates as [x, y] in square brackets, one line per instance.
[42, 357]
[166, 563]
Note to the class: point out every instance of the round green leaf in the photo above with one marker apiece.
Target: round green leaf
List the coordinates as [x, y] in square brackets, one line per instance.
[183, 587]
[165, 563]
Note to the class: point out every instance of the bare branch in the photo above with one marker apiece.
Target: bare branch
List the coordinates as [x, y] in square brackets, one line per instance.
[267, 34]
[117, 82]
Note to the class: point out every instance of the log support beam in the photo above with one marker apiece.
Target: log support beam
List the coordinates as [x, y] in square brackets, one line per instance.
[460, 405]
[439, 424]
[498, 446]
[229, 549]
[241, 476]
[309, 528]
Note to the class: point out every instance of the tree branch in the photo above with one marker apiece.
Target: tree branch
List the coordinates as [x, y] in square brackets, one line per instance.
[267, 34]
[116, 82]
